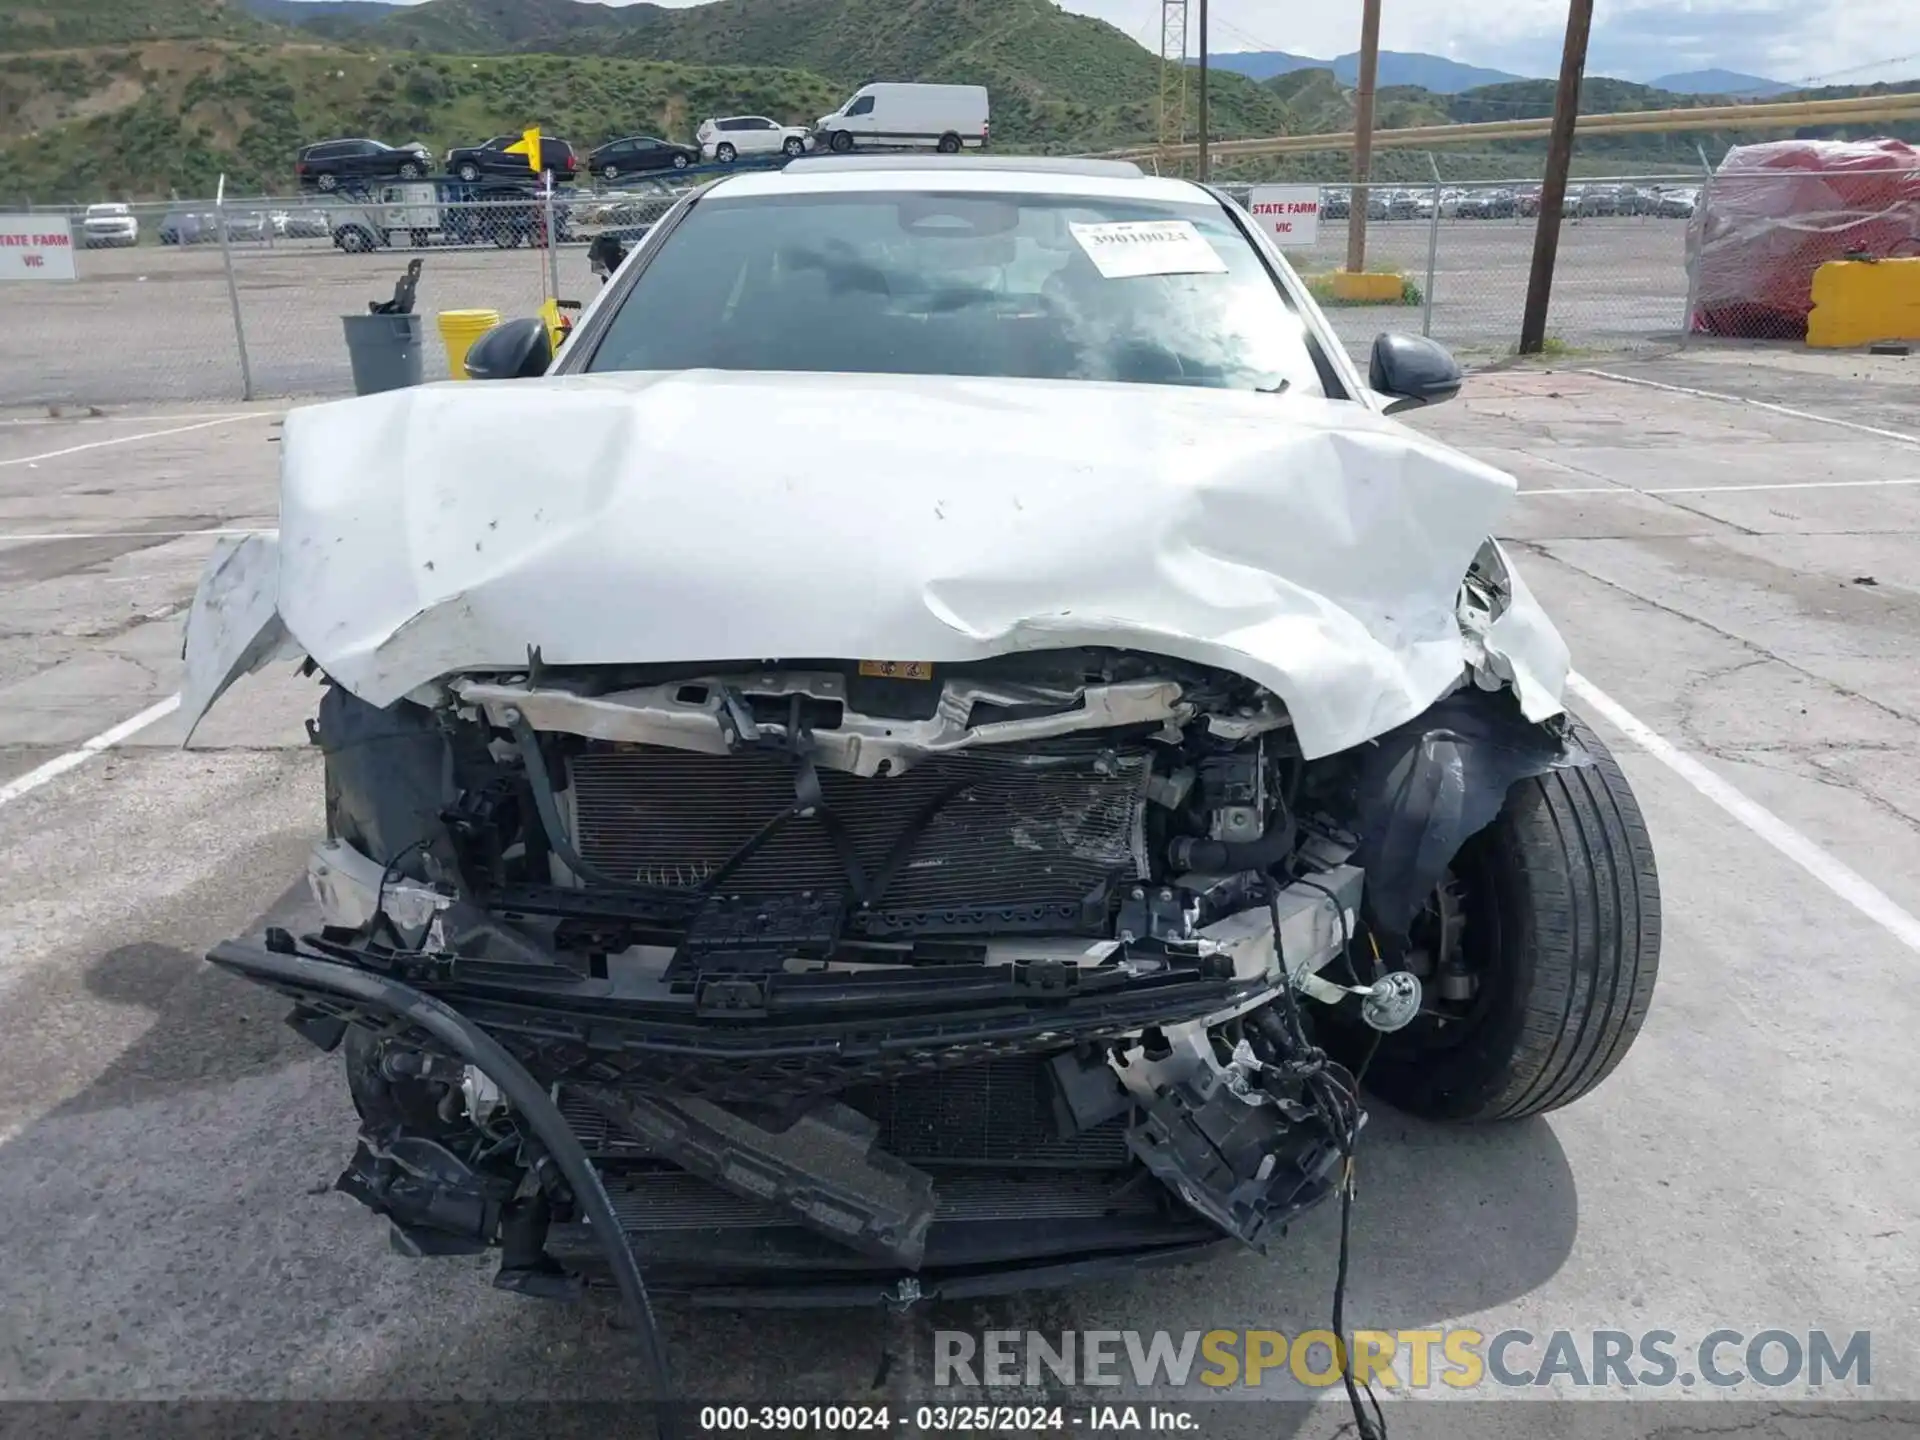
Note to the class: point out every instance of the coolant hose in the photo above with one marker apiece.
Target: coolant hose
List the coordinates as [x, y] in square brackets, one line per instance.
[522, 1091]
[1233, 857]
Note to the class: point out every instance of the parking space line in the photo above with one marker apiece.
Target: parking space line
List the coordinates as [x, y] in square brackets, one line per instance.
[133, 439]
[129, 419]
[1624, 489]
[133, 534]
[106, 739]
[1831, 872]
[1766, 405]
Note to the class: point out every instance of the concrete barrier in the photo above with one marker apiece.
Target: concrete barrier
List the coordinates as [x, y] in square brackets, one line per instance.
[1856, 302]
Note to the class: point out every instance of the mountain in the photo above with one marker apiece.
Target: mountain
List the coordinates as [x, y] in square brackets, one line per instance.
[1397, 67]
[1730, 83]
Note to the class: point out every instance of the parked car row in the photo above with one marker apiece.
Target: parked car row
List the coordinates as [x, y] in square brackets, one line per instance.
[202, 227]
[946, 118]
[1509, 202]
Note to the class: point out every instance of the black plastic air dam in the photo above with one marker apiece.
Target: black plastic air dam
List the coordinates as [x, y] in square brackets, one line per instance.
[477, 1048]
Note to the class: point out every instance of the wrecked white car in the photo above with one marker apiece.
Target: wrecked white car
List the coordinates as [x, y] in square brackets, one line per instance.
[936, 747]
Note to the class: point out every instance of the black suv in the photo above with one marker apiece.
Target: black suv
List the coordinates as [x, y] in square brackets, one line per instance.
[639, 153]
[334, 163]
[475, 162]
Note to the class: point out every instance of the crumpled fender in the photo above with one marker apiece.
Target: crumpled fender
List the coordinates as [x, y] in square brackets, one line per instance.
[234, 627]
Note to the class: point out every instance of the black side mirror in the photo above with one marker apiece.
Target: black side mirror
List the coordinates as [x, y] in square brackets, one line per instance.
[515, 350]
[1412, 370]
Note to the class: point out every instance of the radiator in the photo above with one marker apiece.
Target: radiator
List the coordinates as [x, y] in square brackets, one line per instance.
[1033, 825]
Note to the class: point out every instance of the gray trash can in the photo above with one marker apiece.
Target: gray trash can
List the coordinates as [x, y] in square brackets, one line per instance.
[388, 351]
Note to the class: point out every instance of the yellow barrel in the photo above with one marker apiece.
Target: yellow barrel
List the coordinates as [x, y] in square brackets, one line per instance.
[459, 329]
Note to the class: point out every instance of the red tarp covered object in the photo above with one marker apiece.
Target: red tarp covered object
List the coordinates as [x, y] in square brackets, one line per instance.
[1775, 213]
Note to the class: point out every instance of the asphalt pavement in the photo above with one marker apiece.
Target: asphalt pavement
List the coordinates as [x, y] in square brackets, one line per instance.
[1738, 577]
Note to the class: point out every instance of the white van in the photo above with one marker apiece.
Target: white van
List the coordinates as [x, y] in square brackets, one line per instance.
[893, 117]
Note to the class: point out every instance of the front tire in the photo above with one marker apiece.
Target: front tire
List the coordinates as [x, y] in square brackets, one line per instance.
[841, 142]
[410, 171]
[794, 147]
[1560, 926]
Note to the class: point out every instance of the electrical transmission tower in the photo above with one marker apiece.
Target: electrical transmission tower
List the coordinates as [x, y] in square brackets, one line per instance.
[1173, 74]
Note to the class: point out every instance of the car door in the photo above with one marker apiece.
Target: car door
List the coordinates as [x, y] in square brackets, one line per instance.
[646, 153]
[360, 159]
[758, 135]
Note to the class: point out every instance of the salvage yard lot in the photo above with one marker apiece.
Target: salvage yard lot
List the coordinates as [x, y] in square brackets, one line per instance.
[1746, 582]
[155, 323]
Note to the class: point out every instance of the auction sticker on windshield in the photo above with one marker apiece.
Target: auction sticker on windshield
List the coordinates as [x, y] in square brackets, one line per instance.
[35, 247]
[1124, 249]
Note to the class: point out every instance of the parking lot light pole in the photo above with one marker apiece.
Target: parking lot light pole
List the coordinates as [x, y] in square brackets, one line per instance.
[1206, 167]
[1363, 137]
[1553, 187]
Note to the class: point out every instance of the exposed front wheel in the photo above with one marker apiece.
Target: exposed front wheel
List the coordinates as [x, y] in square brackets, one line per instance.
[794, 146]
[1541, 948]
[841, 143]
[410, 171]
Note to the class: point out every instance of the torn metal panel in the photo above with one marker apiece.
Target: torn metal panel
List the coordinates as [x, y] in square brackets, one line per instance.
[234, 627]
[1310, 545]
[824, 1169]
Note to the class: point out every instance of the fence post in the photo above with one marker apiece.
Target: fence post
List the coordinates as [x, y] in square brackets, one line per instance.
[233, 290]
[553, 244]
[1693, 260]
[1433, 250]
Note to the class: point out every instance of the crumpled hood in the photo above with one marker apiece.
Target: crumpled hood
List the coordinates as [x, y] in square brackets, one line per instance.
[1313, 546]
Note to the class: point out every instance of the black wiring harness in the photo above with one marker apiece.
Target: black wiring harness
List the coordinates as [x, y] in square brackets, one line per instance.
[1337, 1095]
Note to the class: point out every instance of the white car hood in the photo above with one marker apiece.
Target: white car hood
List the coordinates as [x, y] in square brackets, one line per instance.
[1312, 546]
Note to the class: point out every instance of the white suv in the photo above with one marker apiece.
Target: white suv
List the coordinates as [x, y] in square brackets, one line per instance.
[736, 135]
[109, 225]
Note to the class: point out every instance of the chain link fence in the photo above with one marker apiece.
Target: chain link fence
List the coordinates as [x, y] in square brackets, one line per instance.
[245, 299]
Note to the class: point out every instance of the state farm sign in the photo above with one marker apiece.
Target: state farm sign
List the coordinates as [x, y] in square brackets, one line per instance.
[35, 247]
[1290, 214]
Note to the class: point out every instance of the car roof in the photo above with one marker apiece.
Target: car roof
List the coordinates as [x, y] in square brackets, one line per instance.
[1032, 175]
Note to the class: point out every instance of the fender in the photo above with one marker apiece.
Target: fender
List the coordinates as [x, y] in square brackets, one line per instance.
[234, 627]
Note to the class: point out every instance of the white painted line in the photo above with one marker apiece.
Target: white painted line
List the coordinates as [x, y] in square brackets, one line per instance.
[1714, 489]
[124, 440]
[135, 419]
[131, 534]
[1843, 881]
[1766, 405]
[60, 764]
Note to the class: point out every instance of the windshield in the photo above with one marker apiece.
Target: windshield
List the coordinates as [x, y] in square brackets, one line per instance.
[913, 283]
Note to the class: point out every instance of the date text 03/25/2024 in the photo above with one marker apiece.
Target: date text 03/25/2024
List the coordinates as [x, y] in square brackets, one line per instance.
[967, 1419]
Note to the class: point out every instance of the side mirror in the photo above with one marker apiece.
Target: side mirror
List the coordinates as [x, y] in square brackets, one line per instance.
[515, 350]
[1412, 370]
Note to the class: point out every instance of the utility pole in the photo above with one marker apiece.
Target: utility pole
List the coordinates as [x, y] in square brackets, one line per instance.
[1363, 137]
[1553, 187]
[1206, 168]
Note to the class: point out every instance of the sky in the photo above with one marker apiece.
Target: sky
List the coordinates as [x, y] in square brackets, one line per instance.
[1841, 42]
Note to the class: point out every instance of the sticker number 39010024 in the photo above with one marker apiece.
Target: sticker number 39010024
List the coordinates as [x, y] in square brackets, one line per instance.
[1123, 249]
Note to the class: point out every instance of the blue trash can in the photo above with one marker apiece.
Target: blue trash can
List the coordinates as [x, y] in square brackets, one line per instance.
[388, 352]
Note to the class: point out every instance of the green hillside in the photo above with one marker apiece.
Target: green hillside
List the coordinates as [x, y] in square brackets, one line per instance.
[139, 123]
[63, 24]
[141, 98]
